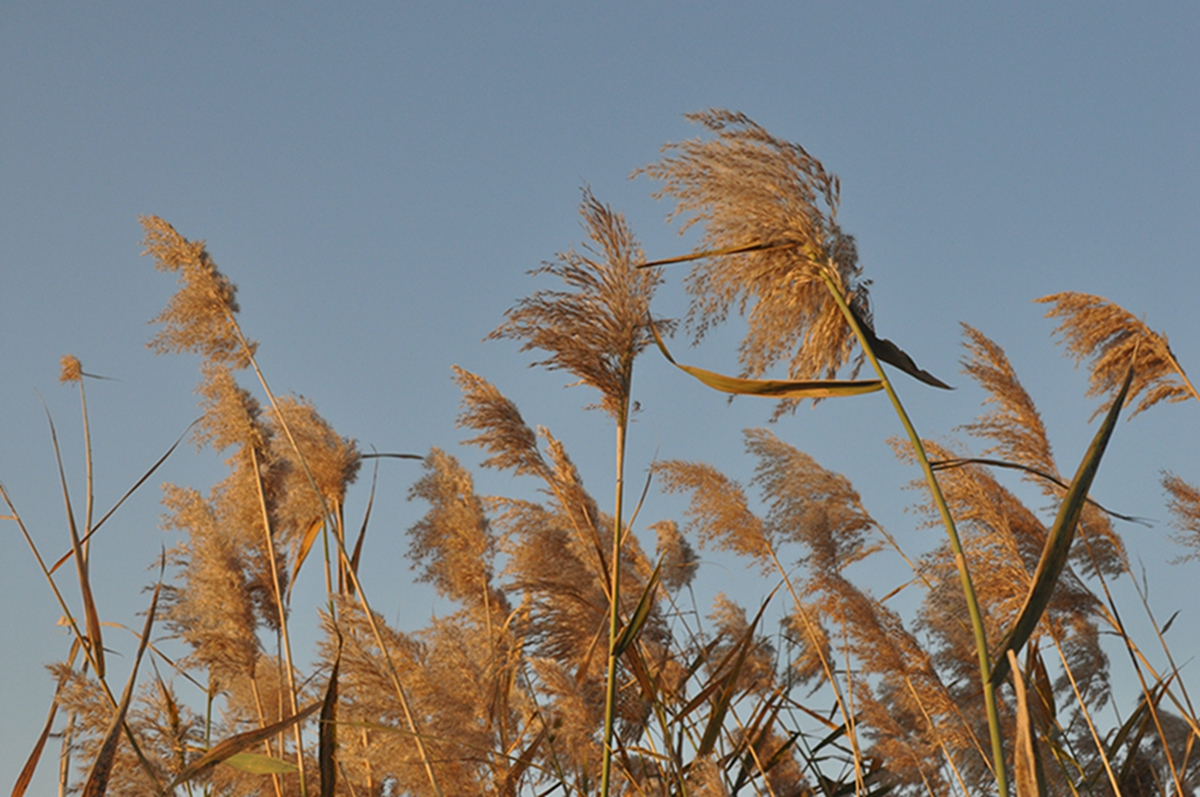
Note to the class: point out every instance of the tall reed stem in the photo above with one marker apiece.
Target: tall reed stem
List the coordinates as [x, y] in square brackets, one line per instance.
[614, 621]
[960, 561]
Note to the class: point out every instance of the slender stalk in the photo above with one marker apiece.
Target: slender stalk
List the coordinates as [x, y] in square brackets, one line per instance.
[283, 627]
[960, 561]
[410, 720]
[614, 623]
[87, 448]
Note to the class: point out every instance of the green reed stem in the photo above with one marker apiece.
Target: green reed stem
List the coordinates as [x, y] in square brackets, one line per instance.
[614, 622]
[960, 561]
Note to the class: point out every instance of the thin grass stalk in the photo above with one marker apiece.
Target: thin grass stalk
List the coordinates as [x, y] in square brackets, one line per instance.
[87, 650]
[262, 723]
[1112, 778]
[87, 449]
[283, 625]
[859, 780]
[614, 623]
[960, 561]
[1151, 705]
[395, 676]
[937, 735]
[1162, 641]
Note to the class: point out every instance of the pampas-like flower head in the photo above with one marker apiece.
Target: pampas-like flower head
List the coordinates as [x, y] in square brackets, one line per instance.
[199, 318]
[598, 326]
[748, 188]
[1095, 329]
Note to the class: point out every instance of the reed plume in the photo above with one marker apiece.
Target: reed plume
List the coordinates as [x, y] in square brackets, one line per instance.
[1184, 503]
[597, 326]
[1095, 329]
[748, 188]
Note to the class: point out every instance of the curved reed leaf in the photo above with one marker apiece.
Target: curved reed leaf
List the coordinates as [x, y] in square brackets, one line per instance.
[1058, 541]
[773, 388]
[235, 744]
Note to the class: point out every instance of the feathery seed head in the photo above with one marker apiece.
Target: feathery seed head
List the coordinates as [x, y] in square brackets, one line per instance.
[598, 325]
[746, 187]
[679, 560]
[200, 317]
[72, 370]
[332, 460]
[1113, 339]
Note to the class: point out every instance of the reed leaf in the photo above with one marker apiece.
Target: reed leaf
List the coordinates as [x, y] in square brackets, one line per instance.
[641, 614]
[31, 763]
[259, 764]
[728, 687]
[327, 744]
[773, 388]
[1058, 541]
[230, 747]
[69, 554]
[1025, 757]
[92, 617]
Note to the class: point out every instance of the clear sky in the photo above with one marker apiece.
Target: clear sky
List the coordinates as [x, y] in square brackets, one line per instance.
[378, 177]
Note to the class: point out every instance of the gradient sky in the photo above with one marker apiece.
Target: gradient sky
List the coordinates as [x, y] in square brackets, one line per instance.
[378, 179]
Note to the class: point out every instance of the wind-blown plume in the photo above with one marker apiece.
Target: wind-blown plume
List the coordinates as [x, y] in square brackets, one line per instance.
[1095, 329]
[598, 326]
[749, 188]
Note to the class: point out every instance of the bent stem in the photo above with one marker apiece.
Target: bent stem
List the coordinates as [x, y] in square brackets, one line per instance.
[960, 561]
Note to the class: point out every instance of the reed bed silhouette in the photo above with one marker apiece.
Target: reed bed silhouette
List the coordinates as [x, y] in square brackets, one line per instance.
[576, 661]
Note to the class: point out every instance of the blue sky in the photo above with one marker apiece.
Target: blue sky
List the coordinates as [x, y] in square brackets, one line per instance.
[378, 179]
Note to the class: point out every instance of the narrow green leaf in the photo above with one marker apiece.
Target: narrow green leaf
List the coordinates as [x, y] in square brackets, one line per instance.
[640, 614]
[258, 764]
[773, 388]
[1058, 541]
[236, 744]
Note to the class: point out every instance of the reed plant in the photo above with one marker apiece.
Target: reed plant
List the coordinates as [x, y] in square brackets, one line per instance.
[574, 660]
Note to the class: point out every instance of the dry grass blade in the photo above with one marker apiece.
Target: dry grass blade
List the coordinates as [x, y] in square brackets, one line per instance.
[327, 746]
[362, 532]
[958, 462]
[235, 744]
[1025, 758]
[31, 763]
[302, 551]
[728, 686]
[35, 756]
[92, 617]
[1058, 541]
[97, 782]
[773, 388]
[63, 559]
